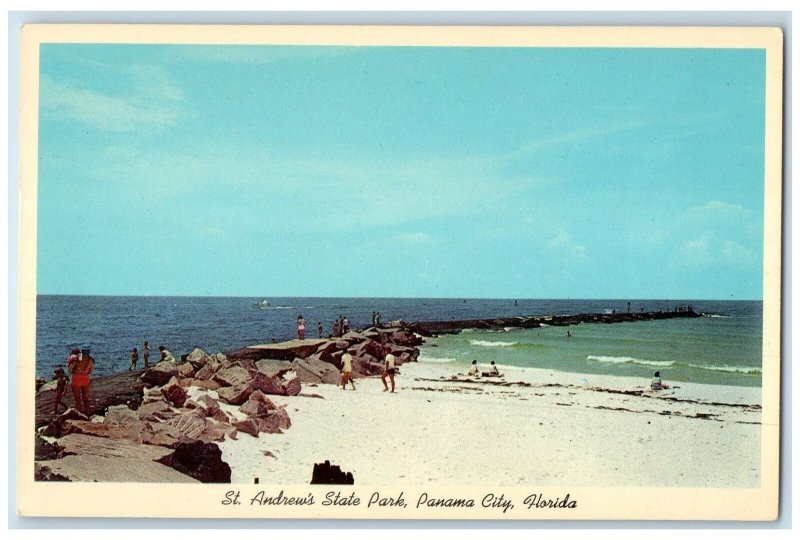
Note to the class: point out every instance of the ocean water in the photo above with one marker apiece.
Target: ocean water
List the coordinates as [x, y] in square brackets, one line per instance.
[723, 347]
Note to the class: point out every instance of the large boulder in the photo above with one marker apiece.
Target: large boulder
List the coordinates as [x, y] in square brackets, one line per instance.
[217, 432]
[186, 370]
[206, 372]
[267, 384]
[273, 368]
[354, 337]
[161, 434]
[108, 431]
[258, 395]
[89, 468]
[315, 371]
[79, 444]
[254, 409]
[55, 427]
[190, 425]
[198, 358]
[155, 411]
[210, 384]
[121, 415]
[233, 376]
[247, 363]
[269, 424]
[292, 387]
[200, 460]
[366, 348]
[284, 422]
[235, 395]
[160, 374]
[175, 394]
[366, 366]
[248, 426]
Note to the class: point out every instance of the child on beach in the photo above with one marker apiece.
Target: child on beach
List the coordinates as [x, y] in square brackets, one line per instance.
[134, 359]
[61, 388]
[388, 371]
[347, 371]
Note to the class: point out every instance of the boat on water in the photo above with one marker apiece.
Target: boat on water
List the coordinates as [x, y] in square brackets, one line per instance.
[264, 304]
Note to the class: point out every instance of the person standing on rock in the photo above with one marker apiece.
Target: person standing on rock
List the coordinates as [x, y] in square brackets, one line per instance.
[335, 328]
[146, 354]
[319, 329]
[301, 327]
[345, 325]
[134, 359]
[388, 371]
[347, 371]
[81, 371]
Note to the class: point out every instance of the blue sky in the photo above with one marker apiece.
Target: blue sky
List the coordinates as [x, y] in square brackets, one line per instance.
[401, 171]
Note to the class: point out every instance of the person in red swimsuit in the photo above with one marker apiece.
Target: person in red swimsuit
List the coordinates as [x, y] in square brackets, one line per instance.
[81, 369]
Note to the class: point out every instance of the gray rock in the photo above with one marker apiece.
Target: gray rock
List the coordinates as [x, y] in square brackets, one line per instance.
[91, 468]
[160, 374]
[235, 395]
[232, 376]
[315, 371]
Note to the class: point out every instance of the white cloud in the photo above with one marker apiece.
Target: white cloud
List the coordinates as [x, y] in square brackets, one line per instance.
[151, 102]
[697, 252]
[717, 207]
[736, 253]
[563, 241]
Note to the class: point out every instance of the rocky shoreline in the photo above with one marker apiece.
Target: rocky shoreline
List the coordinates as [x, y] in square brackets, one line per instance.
[163, 424]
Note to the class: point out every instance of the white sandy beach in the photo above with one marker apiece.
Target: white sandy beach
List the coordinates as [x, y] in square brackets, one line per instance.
[543, 428]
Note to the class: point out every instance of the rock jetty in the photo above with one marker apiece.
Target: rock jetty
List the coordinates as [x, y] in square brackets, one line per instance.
[432, 328]
[162, 424]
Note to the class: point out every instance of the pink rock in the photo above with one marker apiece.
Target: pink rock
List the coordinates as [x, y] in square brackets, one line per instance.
[235, 395]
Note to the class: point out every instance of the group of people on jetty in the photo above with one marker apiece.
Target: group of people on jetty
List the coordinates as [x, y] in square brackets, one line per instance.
[80, 365]
[340, 327]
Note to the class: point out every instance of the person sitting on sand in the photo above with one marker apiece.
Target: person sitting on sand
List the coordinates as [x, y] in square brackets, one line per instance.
[492, 371]
[166, 356]
[388, 371]
[134, 358]
[473, 369]
[61, 388]
[347, 371]
[656, 384]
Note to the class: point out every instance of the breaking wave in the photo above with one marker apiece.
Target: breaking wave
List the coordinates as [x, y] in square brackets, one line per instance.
[481, 343]
[630, 360]
[747, 370]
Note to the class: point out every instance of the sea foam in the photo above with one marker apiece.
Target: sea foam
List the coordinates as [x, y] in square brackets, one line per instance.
[630, 360]
[747, 370]
[481, 343]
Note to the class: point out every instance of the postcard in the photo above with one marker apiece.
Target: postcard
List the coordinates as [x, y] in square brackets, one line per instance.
[387, 272]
